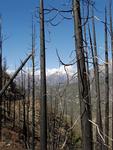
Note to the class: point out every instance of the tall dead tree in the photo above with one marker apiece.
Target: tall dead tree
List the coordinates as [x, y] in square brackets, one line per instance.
[106, 86]
[14, 102]
[19, 109]
[84, 97]
[99, 144]
[0, 74]
[86, 54]
[33, 87]
[85, 41]
[28, 105]
[24, 107]
[91, 47]
[14, 75]
[14, 107]
[4, 82]
[43, 97]
[111, 31]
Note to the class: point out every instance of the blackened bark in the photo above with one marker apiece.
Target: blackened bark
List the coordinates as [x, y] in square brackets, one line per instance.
[111, 31]
[33, 87]
[85, 110]
[99, 144]
[0, 75]
[43, 109]
[106, 86]
[24, 109]
[28, 107]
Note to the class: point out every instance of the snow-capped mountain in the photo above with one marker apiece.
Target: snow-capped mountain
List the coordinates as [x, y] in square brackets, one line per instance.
[54, 75]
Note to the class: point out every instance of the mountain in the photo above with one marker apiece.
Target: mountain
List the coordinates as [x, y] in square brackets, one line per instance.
[61, 74]
[54, 75]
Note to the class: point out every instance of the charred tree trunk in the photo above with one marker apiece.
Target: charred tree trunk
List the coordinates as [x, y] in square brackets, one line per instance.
[4, 82]
[15, 74]
[106, 86]
[71, 124]
[99, 144]
[19, 110]
[14, 105]
[28, 107]
[33, 87]
[24, 109]
[0, 76]
[84, 97]
[87, 65]
[43, 97]
[111, 31]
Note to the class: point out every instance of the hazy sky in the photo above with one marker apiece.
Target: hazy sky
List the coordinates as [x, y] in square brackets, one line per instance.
[16, 16]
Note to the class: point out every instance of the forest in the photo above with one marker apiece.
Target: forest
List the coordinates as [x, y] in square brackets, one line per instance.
[71, 108]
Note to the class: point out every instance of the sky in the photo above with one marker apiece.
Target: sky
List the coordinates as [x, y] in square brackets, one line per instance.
[16, 25]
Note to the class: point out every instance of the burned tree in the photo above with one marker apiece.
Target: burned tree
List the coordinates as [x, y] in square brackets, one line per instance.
[4, 82]
[99, 143]
[0, 75]
[28, 106]
[33, 86]
[14, 75]
[111, 33]
[106, 86]
[85, 106]
[43, 97]
[24, 107]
